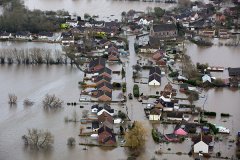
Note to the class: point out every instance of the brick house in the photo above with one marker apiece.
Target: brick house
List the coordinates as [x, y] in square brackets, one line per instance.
[163, 31]
[105, 136]
[104, 96]
[113, 56]
[105, 86]
[105, 72]
[101, 79]
[105, 119]
[97, 64]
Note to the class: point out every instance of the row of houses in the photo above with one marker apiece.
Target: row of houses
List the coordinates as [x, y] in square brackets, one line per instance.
[25, 35]
[102, 80]
[103, 126]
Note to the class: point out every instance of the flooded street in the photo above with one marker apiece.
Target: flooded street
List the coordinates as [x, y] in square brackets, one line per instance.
[106, 9]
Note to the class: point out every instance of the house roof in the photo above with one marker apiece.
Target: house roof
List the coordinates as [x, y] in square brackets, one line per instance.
[175, 114]
[95, 124]
[180, 132]
[101, 93]
[23, 33]
[234, 71]
[155, 70]
[103, 129]
[158, 55]
[154, 77]
[95, 106]
[155, 111]
[168, 87]
[111, 137]
[95, 62]
[106, 107]
[66, 35]
[48, 34]
[99, 78]
[105, 70]
[206, 78]
[186, 126]
[4, 33]
[205, 138]
[107, 84]
[164, 27]
[112, 24]
[105, 117]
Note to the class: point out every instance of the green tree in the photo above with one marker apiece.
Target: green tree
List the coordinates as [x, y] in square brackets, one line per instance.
[159, 12]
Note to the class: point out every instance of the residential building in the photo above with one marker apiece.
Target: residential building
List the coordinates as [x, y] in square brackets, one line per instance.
[101, 79]
[72, 23]
[163, 31]
[154, 80]
[105, 136]
[95, 126]
[23, 35]
[155, 114]
[5, 35]
[45, 35]
[105, 108]
[105, 119]
[105, 72]
[200, 147]
[97, 64]
[105, 86]
[234, 72]
[174, 116]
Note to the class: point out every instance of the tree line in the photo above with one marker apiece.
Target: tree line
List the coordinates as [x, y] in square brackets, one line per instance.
[32, 56]
[16, 17]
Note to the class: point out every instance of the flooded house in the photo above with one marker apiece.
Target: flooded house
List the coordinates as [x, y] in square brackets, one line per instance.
[154, 76]
[97, 64]
[105, 72]
[5, 35]
[105, 119]
[106, 136]
[163, 31]
[23, 35]
[105, 86]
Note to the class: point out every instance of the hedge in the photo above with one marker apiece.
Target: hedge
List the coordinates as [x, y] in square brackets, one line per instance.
[135, 90]
[213, 114]
[155, 136]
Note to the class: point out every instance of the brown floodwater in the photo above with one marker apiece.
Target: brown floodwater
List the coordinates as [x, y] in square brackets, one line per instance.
[222, 56]
[103, 8]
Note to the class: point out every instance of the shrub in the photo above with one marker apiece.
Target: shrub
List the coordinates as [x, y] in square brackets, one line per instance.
[124, 87]
[155, 136]
[173, 74]
[136, 90]
[225, 115]
[213, 114]
[116, 85]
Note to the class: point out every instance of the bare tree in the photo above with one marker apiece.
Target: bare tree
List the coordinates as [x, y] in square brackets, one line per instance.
[84, 113]
[75, 116]
[12, 99]
[37, 139]
[47, 56]
[52, 102]
[71, 141]
[28, 102]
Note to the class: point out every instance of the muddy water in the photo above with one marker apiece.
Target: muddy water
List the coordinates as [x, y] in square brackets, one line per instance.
[103, 8]
[215, 56]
